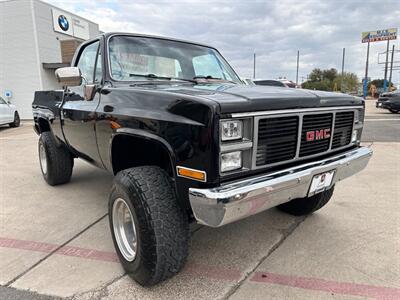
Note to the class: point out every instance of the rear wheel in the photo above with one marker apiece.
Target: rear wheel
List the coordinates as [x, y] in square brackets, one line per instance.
[17, 120]
[307, 205]
[56, 162]
[149, 229]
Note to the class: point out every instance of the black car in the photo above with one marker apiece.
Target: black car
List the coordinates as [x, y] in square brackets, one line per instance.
[390, 101]
[269, 82]
[188, 141]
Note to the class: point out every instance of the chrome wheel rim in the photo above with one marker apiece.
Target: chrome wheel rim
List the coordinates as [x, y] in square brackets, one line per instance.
[124, 229]
[42, 158]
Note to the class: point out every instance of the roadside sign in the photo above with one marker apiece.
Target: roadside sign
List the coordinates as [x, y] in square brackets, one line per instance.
[70, 25]
[379, 35]
[7, 94]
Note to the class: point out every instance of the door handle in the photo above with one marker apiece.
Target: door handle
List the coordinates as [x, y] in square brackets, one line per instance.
[108, 108]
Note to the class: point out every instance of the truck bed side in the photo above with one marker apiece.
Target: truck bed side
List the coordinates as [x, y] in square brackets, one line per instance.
[46, 109]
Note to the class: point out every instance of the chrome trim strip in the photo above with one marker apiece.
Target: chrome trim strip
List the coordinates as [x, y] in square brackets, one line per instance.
[236, 146]
[292, 111]
[299, 132]
[240, 199]
[333, 130]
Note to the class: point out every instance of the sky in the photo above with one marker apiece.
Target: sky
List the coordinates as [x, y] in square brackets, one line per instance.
[274, 30]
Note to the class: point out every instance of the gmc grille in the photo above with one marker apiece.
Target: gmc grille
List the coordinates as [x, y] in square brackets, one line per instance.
[314, 123]
[343, 129]
[279, 138]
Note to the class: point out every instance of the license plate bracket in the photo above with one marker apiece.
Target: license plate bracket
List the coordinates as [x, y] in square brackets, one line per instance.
[321, 182]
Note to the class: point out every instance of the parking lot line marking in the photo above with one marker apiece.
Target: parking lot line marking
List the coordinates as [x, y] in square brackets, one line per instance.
[317, 284]
[214, 272]
[66, 250]
[218, 272]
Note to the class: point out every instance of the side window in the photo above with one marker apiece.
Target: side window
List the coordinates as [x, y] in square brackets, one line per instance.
[87, 61]
[2, 101]
[98, 73]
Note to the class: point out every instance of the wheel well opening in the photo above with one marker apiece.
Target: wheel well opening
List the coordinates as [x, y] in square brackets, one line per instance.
[43, 125]
[129, 151]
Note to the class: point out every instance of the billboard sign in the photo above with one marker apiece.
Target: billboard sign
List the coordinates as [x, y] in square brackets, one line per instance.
[70, 25]
[379, 35]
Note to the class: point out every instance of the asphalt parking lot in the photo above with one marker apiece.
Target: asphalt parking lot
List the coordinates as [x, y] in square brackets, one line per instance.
[55, 241]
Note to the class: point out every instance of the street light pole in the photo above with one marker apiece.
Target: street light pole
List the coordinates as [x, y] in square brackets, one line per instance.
[365, 83]
[386, 67]
[341, 79]
[391, 66]
[297, 69]
[254, 65]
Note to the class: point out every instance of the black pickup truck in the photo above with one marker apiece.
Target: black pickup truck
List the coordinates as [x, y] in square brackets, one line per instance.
[188, 141]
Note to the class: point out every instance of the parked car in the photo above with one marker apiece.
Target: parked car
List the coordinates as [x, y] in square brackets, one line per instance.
[8, 114]
[269, 82]
[288, 83]
[389, 101]
[188, 141]
[278, 82]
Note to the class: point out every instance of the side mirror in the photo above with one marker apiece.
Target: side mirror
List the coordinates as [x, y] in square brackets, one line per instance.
[69, 76]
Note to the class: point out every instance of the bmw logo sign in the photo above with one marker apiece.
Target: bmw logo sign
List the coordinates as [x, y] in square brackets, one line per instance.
[63, 22]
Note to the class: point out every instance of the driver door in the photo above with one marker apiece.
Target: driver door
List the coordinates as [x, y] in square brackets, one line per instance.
[78, 112]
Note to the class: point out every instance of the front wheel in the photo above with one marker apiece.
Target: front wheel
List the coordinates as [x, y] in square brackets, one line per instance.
[150, 230]
[393, 111]
[17, 120]
[307, 205]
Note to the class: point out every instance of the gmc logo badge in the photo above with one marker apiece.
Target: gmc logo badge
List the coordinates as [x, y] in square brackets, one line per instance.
[315, 135]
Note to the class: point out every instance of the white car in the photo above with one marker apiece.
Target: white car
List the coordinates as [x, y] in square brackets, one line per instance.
[8, 114]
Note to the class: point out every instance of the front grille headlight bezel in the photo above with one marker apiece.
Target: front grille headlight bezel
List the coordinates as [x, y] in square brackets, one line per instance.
[231, 130]
[243, 142]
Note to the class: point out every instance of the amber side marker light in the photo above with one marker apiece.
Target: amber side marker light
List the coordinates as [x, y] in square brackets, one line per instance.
[191, 173]
[114, 125]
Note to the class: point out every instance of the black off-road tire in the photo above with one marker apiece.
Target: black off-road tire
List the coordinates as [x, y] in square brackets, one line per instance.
[394, 111]
[58, 159]
[162, 226]
[307, 205]
[17, 120]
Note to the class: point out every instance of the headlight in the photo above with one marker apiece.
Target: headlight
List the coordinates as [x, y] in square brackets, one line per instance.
[231, 161]
[231, 130]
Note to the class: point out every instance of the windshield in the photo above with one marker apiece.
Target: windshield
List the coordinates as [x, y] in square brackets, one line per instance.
[142, 58]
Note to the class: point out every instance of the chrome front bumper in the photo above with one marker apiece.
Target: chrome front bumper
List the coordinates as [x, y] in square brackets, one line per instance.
[237, 200]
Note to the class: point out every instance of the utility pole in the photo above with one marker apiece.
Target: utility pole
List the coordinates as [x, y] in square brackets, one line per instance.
[386, 67]
[297, 69]
[365, 83]
[391, 66]
[254, 65]
[341, 79]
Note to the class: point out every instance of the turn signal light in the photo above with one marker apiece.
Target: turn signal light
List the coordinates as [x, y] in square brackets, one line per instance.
[191, 173]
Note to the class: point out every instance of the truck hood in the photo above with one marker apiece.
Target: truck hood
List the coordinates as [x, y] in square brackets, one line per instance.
[233, 98]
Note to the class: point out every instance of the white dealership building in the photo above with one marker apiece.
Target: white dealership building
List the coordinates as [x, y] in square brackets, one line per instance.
[35, 39]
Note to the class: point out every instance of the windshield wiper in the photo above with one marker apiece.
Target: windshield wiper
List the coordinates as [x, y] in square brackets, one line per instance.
[154, 76]
[213, 78]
